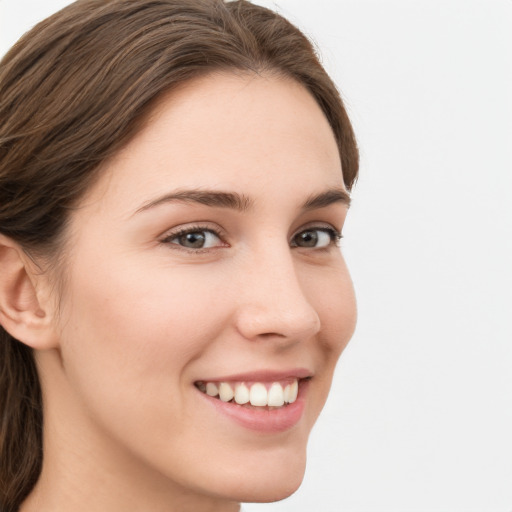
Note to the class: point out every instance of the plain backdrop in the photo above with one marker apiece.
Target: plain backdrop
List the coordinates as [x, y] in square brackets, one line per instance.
[420, 414]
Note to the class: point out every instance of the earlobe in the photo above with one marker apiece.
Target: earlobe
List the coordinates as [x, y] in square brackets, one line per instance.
[22, 313]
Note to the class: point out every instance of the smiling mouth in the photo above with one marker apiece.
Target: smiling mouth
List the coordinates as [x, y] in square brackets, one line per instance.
[268, 395]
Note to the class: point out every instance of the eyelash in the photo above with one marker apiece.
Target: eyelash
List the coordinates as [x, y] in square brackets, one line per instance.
[189, 230]
[334, 235]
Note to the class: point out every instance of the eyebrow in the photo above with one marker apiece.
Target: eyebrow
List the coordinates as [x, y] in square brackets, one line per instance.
[331, 196]
[240, 202]
[215, 198]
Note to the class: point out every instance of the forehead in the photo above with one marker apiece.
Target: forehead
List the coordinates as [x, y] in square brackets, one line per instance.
[244, 132]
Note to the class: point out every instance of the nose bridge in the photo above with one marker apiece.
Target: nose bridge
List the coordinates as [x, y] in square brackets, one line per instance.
[273, 301]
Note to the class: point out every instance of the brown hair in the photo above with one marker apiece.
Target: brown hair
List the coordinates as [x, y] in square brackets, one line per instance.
[73, 91]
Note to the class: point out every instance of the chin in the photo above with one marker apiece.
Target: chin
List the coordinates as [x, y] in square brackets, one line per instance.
[275, 492]
[269, 490]
[268, 482]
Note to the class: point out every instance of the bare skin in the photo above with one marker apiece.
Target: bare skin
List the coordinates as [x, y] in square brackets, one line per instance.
[161, 293]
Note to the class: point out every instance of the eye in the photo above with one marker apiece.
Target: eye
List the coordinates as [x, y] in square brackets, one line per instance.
[316, 238]
[194, 238]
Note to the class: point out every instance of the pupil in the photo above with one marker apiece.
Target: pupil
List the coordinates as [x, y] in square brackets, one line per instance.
[193, 240]
[308, 239]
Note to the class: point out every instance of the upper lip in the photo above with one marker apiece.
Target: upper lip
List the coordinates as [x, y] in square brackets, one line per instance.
[263, 376]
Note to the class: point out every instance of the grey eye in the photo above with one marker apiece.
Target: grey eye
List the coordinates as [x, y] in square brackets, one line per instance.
[198, 239]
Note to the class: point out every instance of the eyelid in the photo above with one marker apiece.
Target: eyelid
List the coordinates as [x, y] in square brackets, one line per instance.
[191, 228]
[169, 235]
[334, 238]
[325, 226]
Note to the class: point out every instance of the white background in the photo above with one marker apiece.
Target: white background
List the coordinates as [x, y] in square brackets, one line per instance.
[420, 415]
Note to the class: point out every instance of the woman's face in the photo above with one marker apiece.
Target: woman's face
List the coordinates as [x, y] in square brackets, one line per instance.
[205, 259]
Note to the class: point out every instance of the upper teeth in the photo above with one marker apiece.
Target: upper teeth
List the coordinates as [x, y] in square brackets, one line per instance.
[257, 393]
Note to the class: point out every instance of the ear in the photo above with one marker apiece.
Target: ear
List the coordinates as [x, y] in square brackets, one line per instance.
[26, 311]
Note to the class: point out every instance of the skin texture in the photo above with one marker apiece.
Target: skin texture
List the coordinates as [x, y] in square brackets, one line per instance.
[141, 318]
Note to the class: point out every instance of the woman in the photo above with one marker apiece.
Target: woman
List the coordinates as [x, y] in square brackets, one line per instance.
[174, 178]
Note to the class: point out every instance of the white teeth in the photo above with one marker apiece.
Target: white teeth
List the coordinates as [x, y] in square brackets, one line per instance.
[286, 393]
[212, 389]
[291, 391]
[294, 391]
[259, 395]
[242, 395]
[225, 392]
[276, 395]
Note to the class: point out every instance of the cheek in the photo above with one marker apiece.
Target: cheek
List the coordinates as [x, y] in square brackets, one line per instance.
[130, 335]
[340, 316]
[332, 295]
[334, 300]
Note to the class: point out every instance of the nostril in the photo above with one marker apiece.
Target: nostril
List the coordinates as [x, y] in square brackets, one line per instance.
[272, 335]
[270, 319]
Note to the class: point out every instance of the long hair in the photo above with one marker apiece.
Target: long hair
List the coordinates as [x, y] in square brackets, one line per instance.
[76, 89]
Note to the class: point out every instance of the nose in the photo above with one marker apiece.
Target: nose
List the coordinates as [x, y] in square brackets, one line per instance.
[272, 303]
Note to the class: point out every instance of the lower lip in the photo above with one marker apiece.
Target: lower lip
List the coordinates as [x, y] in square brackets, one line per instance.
[263, 420]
